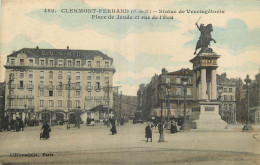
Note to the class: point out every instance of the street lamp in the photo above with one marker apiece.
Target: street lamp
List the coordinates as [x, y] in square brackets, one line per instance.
[161, 139]
[25, 111]
[168, 89]
[68, 86]
[11, 78]
[185, 125]
[220, 89]
[248, 126]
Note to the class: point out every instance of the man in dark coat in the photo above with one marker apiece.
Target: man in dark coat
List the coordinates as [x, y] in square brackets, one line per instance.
[173, 127]
[148, 132]
[113, 129]
[46, 130]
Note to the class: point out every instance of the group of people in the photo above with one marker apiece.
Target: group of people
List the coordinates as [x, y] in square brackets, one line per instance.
[15, 125]
[148, 129]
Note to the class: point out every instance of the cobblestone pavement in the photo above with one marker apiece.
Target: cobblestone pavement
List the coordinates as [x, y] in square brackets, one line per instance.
[96, 145]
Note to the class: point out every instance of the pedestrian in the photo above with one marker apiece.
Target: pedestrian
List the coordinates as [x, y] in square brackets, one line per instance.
[113, 129]
[173, 127]
[21, 125]
[46, 131]
[148, 132]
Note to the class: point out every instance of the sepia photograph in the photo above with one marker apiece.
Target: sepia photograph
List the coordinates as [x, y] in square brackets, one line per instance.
[123, 82]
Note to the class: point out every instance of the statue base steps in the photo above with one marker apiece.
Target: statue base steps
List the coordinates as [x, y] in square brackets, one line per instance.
[207, 117]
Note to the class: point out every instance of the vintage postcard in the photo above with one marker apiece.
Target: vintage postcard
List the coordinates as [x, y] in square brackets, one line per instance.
[130, 82]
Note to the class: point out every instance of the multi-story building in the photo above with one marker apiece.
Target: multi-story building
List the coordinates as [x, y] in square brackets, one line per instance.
[227, 97]
[254, 99]
[163, 89]
[2, 103]
[125, 106]
[51, 84]
[241, 104]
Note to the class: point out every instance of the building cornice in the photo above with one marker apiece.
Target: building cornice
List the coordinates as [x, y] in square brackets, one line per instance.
[59, 68]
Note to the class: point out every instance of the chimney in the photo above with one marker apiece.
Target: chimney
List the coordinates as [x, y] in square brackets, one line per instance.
[68, 47]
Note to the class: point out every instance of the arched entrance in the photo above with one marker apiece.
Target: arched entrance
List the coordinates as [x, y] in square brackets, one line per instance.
[46, 117]
[60, 118]
[71, 118]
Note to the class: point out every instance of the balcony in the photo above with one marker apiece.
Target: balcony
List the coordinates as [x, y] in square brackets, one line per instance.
[88, 98]
[98, 97]
[11, 96]
[97, 88]
[20, 96]
[77, 87]
[30, 86]
[12, 86]
[40, 86]
[21, 86]
[50, 87]
[29, 96]
[30, 107]
[58, 87]
[78, 96]
[88, 88]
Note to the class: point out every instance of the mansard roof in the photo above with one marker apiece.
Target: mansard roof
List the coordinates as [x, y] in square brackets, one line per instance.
[60, 53]
[182, 72]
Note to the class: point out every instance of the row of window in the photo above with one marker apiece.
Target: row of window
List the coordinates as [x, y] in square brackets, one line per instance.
[228, 106]
[77, 103]
[228, 90]
[60, 63]
[60, 93]
[60, 75]
[228, 98]
[60, 103]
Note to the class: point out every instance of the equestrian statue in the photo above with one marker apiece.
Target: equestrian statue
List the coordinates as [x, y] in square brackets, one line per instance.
[205, 37]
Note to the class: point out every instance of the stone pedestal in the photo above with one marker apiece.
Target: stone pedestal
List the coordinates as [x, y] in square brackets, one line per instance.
[206, 116]
[205, 113]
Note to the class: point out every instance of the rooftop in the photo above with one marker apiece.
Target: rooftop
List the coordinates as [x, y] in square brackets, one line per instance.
[60, 53]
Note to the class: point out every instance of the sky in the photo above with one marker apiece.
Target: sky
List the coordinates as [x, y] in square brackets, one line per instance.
[140, 47]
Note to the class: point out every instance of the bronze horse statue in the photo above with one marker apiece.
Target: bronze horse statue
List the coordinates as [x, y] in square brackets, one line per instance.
[205, 36]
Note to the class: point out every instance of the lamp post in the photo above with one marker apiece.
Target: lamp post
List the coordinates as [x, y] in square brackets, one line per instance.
[185, 125]
[220, 88]
[248, 126]
[25, 111]
[168, 88]
[69, 83]
[11, 78]
[108, 124]
[161, 139]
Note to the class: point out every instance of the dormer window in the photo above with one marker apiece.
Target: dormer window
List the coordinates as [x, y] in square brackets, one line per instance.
[106, 64]
[89, 64]
[42, 62]
[60, 62]
[21, 61]
[12, 61]
[69, 63]
[98, 64]
[31, 62]
[51, 62]
[78, 63]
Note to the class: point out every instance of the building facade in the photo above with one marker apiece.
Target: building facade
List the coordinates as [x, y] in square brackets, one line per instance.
[254, 99]
[165, 90]
[227, 96]
[2, 103]
[52, 84]
[125, 106]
